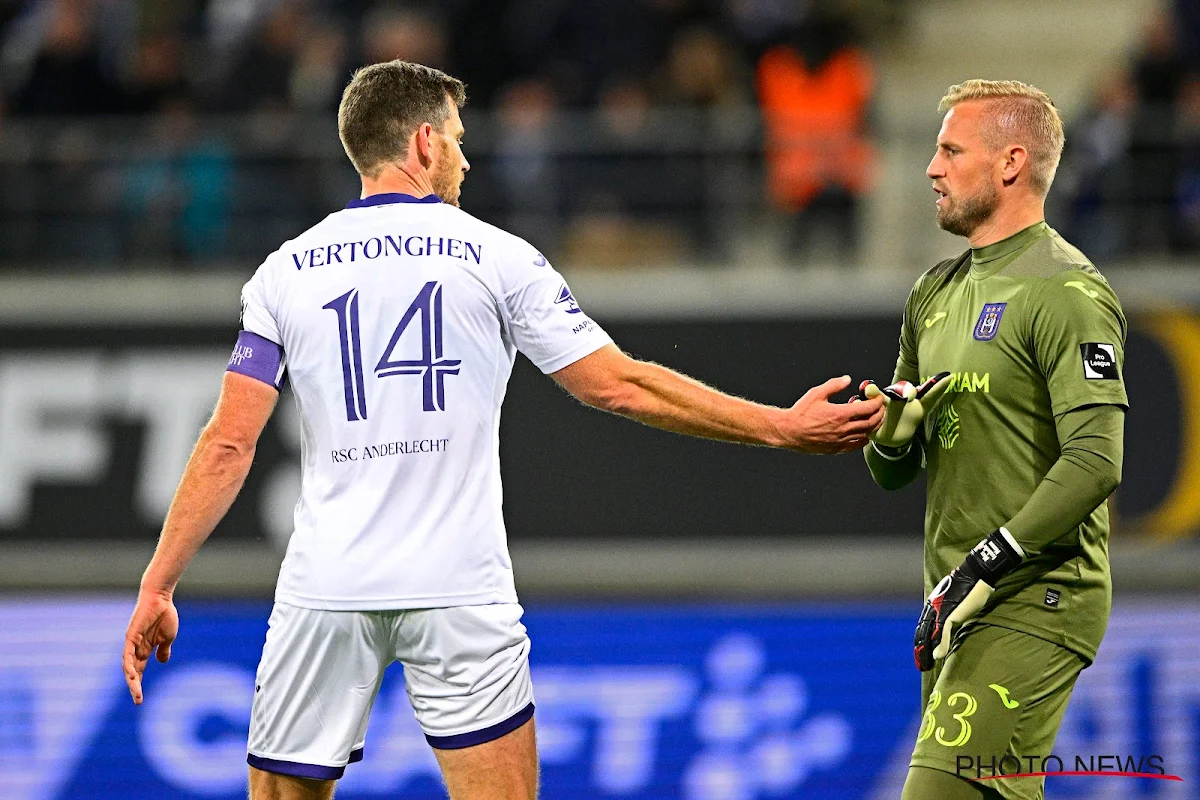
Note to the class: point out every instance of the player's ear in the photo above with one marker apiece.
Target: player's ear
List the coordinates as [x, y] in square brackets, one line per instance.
[1016, 159]
[423, 140]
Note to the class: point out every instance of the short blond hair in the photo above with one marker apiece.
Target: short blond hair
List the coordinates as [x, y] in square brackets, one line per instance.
[1020, 114]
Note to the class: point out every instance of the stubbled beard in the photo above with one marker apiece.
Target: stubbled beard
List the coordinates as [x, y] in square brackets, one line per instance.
[962, 218]
[446, 181]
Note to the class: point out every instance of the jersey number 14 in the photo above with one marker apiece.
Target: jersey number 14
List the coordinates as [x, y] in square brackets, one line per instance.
[431, 366]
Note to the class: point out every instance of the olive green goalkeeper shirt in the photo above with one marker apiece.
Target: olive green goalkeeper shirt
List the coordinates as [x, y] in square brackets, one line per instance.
[1034, 338]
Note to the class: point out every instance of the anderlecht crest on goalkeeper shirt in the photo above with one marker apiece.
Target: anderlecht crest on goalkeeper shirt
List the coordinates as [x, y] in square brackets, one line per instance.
[989, 321]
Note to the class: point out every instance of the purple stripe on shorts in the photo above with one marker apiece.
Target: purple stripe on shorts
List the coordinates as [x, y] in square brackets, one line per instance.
[317, 772]
[461, 740]
[258, 358]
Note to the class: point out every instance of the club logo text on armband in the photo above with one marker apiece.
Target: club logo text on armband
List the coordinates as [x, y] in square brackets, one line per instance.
[240, 353]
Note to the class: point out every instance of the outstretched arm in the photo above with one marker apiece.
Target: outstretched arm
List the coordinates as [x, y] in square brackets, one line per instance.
[610, 380]
[210, 483]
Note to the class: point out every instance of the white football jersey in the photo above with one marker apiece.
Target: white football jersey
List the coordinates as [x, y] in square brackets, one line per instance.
[400, 319]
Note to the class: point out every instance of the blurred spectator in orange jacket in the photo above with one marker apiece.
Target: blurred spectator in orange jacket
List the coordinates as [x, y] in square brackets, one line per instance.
[814, 91]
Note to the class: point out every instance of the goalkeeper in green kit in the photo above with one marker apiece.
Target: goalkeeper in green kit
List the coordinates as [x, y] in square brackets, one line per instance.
[1009, 390]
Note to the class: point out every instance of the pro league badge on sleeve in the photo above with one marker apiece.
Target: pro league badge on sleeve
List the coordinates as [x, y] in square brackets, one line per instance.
[1099, 361]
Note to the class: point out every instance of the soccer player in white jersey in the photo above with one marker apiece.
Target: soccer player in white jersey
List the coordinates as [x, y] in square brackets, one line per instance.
[400, 318]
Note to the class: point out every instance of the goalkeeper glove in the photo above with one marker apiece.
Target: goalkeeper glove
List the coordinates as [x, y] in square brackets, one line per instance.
[905, 407]
[961, 594]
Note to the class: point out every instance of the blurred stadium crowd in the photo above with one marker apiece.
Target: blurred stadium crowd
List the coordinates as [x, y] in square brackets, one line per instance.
[1132, 170]
[199, 132]
[71, 57]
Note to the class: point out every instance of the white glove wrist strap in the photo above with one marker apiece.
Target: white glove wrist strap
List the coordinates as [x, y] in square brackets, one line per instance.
[1008, 537]
[896, 453]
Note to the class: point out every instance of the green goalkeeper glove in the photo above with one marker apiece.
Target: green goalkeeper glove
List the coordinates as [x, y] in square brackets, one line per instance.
[905, 408]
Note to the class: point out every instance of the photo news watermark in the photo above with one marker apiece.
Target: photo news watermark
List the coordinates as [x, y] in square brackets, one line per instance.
[988, 768]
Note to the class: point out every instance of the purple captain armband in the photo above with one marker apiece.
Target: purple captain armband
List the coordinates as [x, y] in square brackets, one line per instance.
[258, 358]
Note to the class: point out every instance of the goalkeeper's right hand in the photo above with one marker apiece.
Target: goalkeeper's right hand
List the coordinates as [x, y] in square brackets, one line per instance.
[905, 407]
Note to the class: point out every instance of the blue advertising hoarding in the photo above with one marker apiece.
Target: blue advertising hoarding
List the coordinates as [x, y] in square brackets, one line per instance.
[634, 702]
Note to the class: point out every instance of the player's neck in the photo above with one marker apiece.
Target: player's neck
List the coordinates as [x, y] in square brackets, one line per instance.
[398, 179]
[1008, 221]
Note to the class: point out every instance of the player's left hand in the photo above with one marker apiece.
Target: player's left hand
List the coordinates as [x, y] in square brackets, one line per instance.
[961, 594]
[153, 626]
[906, 408]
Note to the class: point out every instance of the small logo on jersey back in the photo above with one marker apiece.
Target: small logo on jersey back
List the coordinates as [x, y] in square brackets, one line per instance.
[1052, 598]
[1099, 361]
[539, 261]
[565, 298]
[989, 322]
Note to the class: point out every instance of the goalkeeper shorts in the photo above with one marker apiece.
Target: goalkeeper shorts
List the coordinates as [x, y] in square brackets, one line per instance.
[993, 708]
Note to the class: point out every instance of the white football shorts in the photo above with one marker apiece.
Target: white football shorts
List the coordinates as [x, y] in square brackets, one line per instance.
[466, 670]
